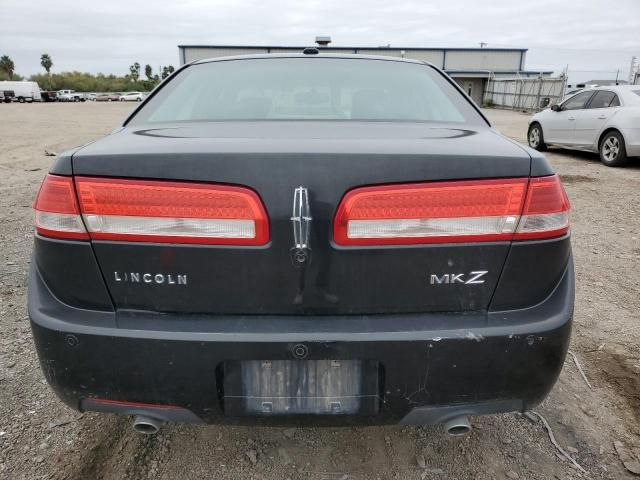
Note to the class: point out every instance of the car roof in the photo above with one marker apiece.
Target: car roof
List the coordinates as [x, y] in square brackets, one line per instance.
[356, 56]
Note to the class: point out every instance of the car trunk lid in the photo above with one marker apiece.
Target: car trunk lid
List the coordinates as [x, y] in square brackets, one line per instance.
[327, 159]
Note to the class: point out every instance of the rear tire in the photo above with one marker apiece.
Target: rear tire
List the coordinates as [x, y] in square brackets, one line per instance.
[613, 152]
[536, 137]
[21, 99]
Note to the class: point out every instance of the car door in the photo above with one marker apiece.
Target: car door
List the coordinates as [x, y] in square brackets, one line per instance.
[590, 120]
[560, 124]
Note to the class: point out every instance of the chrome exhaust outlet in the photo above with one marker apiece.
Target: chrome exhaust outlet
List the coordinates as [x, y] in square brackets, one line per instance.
[146, 425]
[457, 426]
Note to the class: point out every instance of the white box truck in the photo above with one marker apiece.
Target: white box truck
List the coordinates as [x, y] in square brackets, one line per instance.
[22, 91]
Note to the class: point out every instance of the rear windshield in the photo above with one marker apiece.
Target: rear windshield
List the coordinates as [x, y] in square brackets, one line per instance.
[308, 89]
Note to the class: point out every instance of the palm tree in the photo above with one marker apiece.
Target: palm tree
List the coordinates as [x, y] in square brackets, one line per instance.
[7, 66]
[47, 63]
[134, 71]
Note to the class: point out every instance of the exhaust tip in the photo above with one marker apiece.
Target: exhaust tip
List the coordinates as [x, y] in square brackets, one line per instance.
[146, 425]
[458, 426]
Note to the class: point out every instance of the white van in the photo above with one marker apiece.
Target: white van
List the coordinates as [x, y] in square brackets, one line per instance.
[23, 91]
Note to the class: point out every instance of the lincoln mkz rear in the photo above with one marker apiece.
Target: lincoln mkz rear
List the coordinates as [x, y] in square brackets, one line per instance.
[303, 239]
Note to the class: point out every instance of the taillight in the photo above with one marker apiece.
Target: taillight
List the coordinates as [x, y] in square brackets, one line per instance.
[546, 210]
[56, 210]
[172, 212]
[452, 212]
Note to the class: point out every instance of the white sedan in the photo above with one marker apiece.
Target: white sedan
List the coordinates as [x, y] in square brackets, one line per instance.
[603, 119]
[132, 97]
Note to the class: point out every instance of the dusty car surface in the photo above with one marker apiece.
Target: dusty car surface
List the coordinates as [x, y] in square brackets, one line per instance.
[605, 120]
[303, 238]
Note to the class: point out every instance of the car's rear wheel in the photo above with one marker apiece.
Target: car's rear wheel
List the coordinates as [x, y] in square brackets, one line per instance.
[612, 149]
[536, 138]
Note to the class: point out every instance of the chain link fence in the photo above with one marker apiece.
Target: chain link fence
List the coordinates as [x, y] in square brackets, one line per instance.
[521, 93]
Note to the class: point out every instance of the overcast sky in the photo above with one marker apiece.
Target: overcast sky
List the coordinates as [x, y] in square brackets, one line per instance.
[594, 37]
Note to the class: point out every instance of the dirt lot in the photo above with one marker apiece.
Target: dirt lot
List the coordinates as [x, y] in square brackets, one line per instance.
[41, 438]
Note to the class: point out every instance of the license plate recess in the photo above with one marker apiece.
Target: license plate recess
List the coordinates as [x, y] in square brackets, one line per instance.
[301, 387]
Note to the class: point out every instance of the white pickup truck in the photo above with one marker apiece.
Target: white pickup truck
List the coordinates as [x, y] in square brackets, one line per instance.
[71, 96]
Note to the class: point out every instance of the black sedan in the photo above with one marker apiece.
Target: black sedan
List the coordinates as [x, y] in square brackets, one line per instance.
[303, 238]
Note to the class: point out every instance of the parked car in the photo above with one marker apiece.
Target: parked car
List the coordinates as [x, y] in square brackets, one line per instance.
[70, 96]
[49, 96]
[601, 119]
[22, 91]
[107, 97]
[132, 97]
[303, 238]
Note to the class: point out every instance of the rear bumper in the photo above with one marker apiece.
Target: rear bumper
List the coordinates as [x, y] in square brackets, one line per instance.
[432, 366]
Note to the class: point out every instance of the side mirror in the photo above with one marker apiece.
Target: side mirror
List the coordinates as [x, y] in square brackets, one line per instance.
[556, 108]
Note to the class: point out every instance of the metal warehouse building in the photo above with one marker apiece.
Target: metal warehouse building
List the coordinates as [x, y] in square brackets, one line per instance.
[470, 67]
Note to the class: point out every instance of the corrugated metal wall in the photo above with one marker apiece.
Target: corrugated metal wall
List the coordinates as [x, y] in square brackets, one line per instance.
[482, 60]
[454, 59]
[198, 53]
[431, 56]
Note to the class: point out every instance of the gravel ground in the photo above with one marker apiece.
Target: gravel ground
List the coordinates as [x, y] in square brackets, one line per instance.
[42, 438]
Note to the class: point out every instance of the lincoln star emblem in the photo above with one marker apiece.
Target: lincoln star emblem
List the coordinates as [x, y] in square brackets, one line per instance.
[301, 224]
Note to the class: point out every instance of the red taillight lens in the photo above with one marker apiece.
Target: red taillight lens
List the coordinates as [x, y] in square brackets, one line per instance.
[172, 212]
[546, 210]
[56, 210]
[450, 212]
